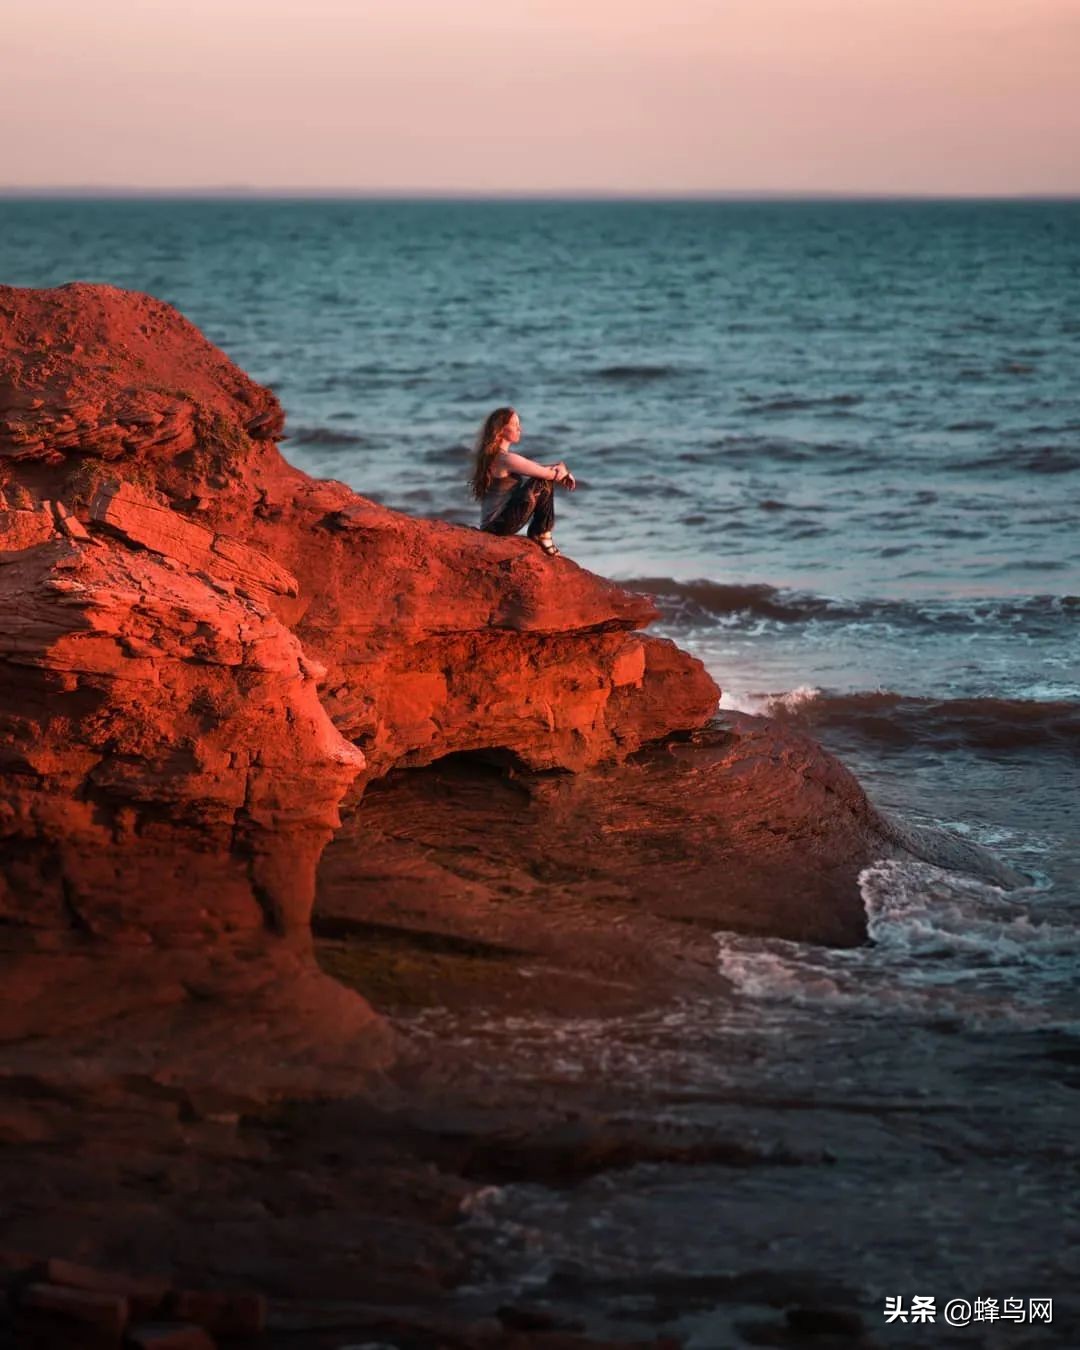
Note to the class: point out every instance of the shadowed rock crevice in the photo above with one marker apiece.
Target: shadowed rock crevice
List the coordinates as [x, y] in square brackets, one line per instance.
[609, 886]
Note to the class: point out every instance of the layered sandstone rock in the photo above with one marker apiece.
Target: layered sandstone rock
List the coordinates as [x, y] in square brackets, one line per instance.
[168, 780]
[205, 647]
[202, 650]
[168, 769]
[92, 370]
[203, 653]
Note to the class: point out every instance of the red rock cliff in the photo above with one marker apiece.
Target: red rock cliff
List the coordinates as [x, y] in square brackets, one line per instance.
[201, 648]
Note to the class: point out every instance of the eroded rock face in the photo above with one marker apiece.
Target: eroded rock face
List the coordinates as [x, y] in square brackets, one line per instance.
[467, 642]
[94, 370]
[168, 773]
[438, 638]
[628, 871]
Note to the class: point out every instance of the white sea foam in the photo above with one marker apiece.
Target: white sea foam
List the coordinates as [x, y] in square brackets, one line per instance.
[1047, 692]
[764, 705]
[942, 944]
[914, 909]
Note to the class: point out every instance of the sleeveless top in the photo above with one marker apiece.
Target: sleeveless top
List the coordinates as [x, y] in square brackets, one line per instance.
[495, 498]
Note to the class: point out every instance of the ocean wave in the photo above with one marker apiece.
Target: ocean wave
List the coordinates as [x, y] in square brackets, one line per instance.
[691, 603]
[795, 403]
[1049, 459]
[633, 372]
[942, 945]
[914, 909]
[899, 720]
[767, 705]
[325, 436]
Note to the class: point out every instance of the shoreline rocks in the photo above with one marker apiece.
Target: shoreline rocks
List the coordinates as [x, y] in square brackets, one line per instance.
[608, 887]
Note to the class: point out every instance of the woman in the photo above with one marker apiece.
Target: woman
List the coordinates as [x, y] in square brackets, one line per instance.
[512, 489]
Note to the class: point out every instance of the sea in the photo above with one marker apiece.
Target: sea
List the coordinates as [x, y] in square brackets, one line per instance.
[839, 442]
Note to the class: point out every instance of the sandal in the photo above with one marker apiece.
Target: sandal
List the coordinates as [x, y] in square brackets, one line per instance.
[548, 545]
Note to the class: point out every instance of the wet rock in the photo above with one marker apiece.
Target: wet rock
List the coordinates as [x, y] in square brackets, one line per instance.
[168, 1336]
[622, 875]
[143, 1295]
[570, 1153]
[826, 1321]
[106, 1313]
[526, 1317]
[230, 1313]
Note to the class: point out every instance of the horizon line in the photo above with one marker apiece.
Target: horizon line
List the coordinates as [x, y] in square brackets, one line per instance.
[218, 193]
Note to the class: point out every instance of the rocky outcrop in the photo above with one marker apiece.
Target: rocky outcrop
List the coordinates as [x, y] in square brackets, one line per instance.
[438, 639]
[202, 651]
[205, 651]
[453, 879]
[169, 779]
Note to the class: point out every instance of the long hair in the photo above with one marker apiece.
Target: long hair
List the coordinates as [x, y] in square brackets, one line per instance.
[487, 443]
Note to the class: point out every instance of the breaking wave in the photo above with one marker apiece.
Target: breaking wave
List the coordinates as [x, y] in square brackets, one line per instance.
[901, 720]
[943, 945]
[691, 603]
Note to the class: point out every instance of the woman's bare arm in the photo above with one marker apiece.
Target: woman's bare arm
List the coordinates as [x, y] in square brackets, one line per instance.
[515, 463]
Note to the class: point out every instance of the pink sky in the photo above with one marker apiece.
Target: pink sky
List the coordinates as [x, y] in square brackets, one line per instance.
[936, 96]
